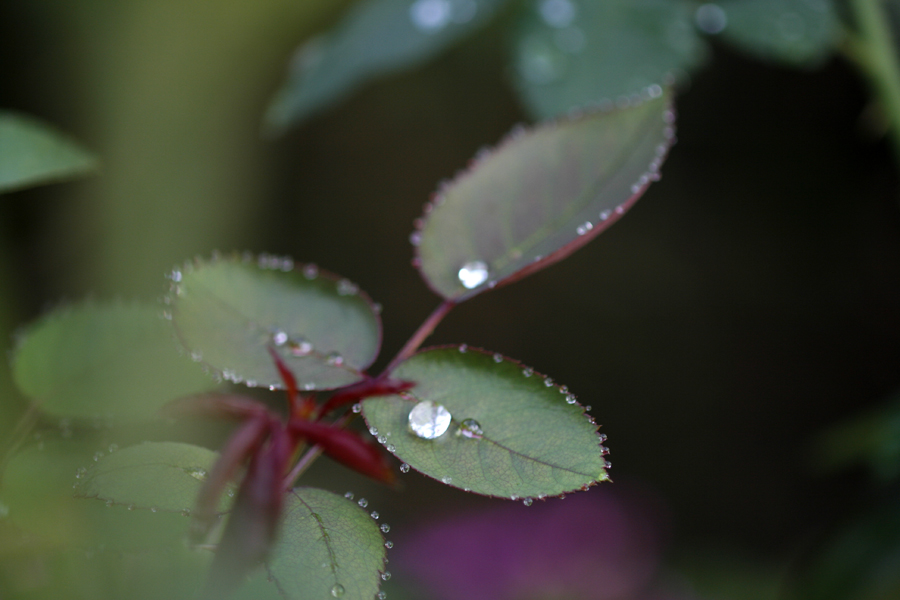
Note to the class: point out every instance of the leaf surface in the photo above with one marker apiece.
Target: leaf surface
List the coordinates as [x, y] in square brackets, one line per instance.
[229, 312]
[104, 359]
[329, 547]
[374, 38]
[513, 433]
[154, 475]
[32, 153]
[570, 54]
[539, 196]
[794, 32]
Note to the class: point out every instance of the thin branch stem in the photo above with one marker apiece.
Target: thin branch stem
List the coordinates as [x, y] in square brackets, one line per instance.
[420, 335]
[874, 51]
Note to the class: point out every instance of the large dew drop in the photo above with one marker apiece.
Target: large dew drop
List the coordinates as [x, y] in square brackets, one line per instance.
[429, 420]
[472, 274]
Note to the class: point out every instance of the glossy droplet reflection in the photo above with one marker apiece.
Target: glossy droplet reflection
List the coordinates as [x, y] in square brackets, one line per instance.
[470, 428]
[472, 274]
[337, 591]
[429, 420]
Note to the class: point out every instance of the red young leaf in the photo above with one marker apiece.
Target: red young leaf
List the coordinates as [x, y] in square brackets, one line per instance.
[347, 448]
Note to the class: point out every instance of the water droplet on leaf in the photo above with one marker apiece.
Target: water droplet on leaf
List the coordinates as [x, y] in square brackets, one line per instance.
[404, 468]
[584, 228]
[429, 420]
[389, 545]
[472, 274]
[357, 408]
[527, 501]
[385, 528]
[279, 338]
[471, 429]
[337, 591]
[363, 502]
[386, 575]
[375, 515]
[349, 495]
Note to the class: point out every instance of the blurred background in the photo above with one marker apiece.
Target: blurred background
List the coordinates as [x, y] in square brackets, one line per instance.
[747, 303]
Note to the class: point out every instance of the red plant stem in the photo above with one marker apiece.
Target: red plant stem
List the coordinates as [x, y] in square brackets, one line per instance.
[421, 334]
[311, 455]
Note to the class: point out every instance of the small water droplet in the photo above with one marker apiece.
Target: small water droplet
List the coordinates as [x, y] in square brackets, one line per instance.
[97, 455]
[404, 468]
[230, 493]
[310, 271]
[514, 497]
[373, 430]
[175, 275]
[309, 386]
[447, 479]
[570, 399]
[386, 575]
[279, 338]
[335, 359]
[391, 448]
[429, 420]
[564, 389]
[548, 382]
[381, 595]
[80, 472]
[389, 544]
[473, 273]
[605, 214]
[470, 428]
[337, 590]
[527, 501]
[463, 348]
[197, 473]
[498, 358]
[710, 18]
[527, 371]
[584, 228]
[154, 509]
[300, 346]
[588, 408]
[363, 502]
[382, 440]
[131, 507]
[604, 450]
[415, 238]
[349, 495]
[345, 287]
[385, 528]
[375, 515]
[109, 503]
[430, 16]
[603, 437]
[607, 464]
[185, 512]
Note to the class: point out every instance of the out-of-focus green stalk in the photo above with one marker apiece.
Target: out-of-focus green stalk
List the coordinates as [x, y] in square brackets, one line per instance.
[874, 50]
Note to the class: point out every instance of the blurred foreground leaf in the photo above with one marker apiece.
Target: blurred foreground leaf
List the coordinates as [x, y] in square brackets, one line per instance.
[539, 196]
[152, 475]
[374, 38]
[506, 432]
[571, 54]
[32, 153]
[102, 359]
[229, 312]
[329, 548]
[795, 32]
[38, 491]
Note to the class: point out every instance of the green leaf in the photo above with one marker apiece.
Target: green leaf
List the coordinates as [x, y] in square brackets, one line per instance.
[513, 433]
[229, 312]
[39, 497]
[570, 54]
[329, 547]
[376, 37]
[539, 196]
[801, 33]
[32, 153]
[154, 475]
[103, 359]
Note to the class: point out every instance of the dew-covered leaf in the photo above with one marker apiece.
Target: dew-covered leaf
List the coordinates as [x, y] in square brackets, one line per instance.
[540, 195]
[486, 424]
[39, 497]
[104, 359]
[32, 153]
[569, 54]
[376, 37]
[329, 548]
[228, 313]
[795, 32]
[155, 475]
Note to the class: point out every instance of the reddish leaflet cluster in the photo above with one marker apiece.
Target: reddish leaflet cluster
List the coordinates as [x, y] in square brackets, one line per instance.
[268, 445]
